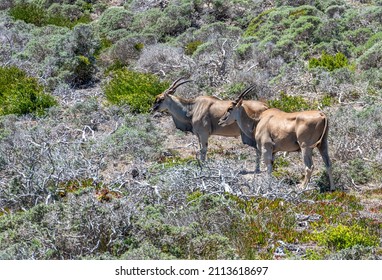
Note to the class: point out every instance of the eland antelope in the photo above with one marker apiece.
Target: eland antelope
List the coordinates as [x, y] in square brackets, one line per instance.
[274, 130]
[201, 115]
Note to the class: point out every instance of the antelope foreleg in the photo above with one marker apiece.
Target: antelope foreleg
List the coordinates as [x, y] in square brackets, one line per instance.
[307, 157]
[267, 152]
[258, 157]
[203, 143]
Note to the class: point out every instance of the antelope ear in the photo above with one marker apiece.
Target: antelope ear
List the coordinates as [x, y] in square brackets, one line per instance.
[239, 102]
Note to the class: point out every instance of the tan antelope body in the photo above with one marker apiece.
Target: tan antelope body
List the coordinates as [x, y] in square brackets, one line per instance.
[275, 130]
[201, 116]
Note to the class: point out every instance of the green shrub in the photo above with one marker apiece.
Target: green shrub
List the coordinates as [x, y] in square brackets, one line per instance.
[289, 103]
[199, 236]
[360, 36]
[256, 22]
[368, 16]
[114, 18]
[81, 62]
[30, 13]
[63, 21]
[359, 172]
[171, 162]
[135, 89]
[191, 47]
[372, 58]
[62, 55]
[164, 23]
[329, 62]
[342, 237]
[280, 170]
[20, 94]
[377, 37]
[147, 20]
[56, 15]
[105, 44]
[282, 21]
[128, 49]
[291, 29]
[137, 138]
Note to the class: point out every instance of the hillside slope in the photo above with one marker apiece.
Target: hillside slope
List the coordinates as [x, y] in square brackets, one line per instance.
[86, 172]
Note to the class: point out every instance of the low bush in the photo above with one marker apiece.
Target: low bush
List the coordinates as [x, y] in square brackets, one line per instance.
[329, 62]
[289, 103]
[372, 58]
[84, 226]
[135, 89]
[137, 138]
[30, 13]
[191, 47]
[65, 16]
[195, 238]
[359, 171]
[128, 49]
[68, 17]
[342, 237]
[83, 43]
[174, 19]
[290, 28]
[20, 94]
[114, 18]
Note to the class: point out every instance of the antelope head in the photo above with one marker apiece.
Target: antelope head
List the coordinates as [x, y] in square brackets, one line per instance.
[233, 111]
[163, 100]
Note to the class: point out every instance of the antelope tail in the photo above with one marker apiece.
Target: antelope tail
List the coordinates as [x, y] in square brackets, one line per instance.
[322, 135]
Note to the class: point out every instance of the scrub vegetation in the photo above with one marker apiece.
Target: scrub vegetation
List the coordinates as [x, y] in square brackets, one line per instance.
[86, 172]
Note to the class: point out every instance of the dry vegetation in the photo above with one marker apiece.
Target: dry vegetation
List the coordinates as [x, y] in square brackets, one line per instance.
[87, 173]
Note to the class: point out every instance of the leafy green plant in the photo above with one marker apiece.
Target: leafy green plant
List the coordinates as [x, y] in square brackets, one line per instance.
[29, 12]
[256, 22]
[20, 94]
[329, 62]
[63, 21]
[289, 103]
[169, 162]
[139, 46]
[313, 255]
[280, 170]
[135, 89]
[191, 47]
[73, 186]
[37, 15]
[342, 237]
